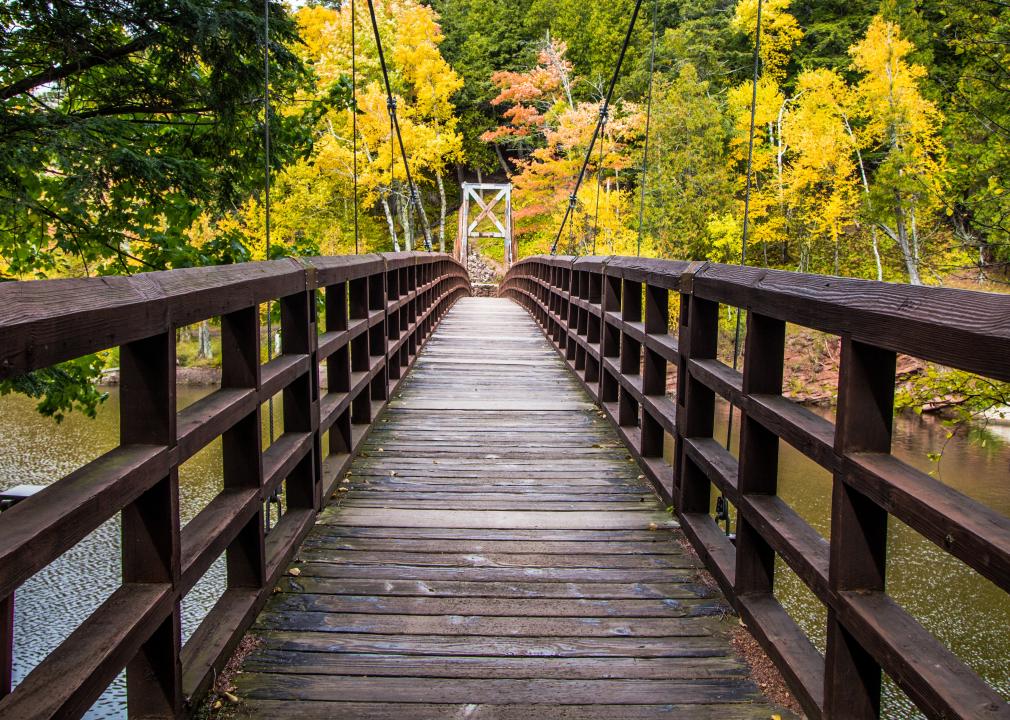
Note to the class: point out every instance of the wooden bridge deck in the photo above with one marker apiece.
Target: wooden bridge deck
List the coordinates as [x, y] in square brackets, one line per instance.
[496, 555]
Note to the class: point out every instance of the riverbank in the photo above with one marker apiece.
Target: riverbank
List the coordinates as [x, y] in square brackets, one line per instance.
[811, 365]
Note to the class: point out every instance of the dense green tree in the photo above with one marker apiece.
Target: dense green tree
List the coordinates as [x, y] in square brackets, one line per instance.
[978, 129]
[687, 183]
[121, 121]
[482, 37]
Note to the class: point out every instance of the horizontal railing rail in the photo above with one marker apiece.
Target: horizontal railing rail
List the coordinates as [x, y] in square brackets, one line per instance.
[609, 319]
[379, 312]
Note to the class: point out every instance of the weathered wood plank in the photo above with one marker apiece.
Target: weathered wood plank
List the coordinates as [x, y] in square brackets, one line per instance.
[499, 574]
[452, 645]
[461, 589]
[504, 560]
[460, 690]
[316, 710]
[284, 661]
[494, 519]
[540, 547]
[504, 607]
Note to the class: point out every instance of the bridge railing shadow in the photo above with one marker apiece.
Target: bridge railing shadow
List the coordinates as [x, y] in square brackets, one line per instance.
[379, 312]
[609, 318]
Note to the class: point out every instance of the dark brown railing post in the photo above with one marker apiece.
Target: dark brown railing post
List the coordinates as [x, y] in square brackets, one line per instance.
[338, 367]
[393, 277]
[150, 524]
[580, 327]
[565, 313]
[242, 444]
[412, 310]
[699, 332]
[610, 343]
[378, 346]
[759, 450]
[301, 397]
[858, 525]
[361, 408]
[631, 352]
[594, 321]
[657, 321]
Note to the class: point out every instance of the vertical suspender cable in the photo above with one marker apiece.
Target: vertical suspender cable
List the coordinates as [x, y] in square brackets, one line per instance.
[750, 152]
[266, 204]
[599, 175]
[354, 120]
[648, 123]
[746, 211]
[266, 181]
[391, 109]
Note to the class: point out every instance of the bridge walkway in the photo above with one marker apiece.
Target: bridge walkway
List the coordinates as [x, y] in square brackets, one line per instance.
[495, 553]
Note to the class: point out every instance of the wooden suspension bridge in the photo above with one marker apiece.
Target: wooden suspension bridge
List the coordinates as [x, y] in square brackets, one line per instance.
[475, 517]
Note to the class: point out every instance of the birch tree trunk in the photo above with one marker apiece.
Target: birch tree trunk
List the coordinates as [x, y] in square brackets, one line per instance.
[869, 204]
[441, 212]
[384, 200]
[408, 236]
[899, 234]
[204, 351]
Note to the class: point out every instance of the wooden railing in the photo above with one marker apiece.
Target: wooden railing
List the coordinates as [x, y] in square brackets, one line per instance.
[379, 311]
[592, 310]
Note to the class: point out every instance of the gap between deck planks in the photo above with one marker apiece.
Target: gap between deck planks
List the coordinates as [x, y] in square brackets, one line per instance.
[496, 555]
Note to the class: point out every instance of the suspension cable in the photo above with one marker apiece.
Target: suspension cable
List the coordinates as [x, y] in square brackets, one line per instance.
[648, 123]
[415, 197]
[599, 122]
[354, 120]
[746, 213]
[266, 185]
[391, 110]
[599, 175]
[266, 220]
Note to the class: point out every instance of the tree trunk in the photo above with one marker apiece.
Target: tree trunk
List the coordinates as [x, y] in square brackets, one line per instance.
[384, 199]
[441, 212]
[408, 235]
[501, 161]
[900, 236]
[204, 351]
[869, 204]
[389, 220]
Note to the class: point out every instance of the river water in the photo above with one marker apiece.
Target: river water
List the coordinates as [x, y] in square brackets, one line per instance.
[967, 613]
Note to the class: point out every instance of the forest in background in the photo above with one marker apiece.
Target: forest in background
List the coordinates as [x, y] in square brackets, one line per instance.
[132, 133]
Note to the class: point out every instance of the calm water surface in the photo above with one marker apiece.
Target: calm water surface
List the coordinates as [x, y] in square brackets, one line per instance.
[964, 611]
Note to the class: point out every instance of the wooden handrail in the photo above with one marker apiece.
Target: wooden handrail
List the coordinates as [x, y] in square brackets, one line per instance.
[380, 310]
[609, 318]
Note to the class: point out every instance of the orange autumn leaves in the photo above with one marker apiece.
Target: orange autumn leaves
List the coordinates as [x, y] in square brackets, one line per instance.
[549, 132]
